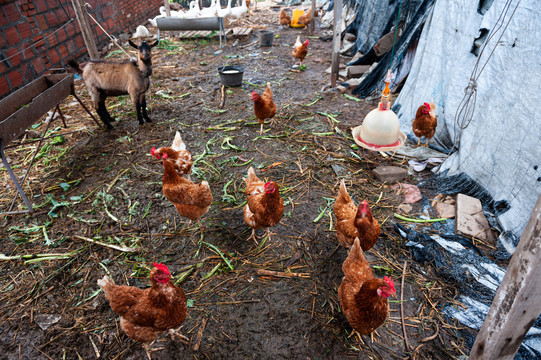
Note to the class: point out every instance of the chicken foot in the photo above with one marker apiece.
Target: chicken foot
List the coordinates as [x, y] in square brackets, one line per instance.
[261, 131]
[253, 237]
[148, 348]
[268, 234]
[175, 333]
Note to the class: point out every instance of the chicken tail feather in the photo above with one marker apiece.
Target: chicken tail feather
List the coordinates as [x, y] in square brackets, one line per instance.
[178, 144]
[105, 284]
[343, 192]
[353, 265]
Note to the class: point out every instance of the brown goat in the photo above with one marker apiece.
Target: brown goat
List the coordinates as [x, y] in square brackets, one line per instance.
[106, 78]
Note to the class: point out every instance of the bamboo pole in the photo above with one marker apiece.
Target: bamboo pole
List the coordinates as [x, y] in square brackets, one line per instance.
[167, 7]
[88, 38]
[313, 19]
[516, 305]
[335, 66]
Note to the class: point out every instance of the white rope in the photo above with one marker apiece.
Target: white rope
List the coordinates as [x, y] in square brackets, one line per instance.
[114, 40]
[466, 108]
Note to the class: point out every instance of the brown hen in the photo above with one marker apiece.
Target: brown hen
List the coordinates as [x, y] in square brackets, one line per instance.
[300, 50]
[285, 19]
[363, 298]
[264, 206]
[425, 122]
[191, 200]
[354, 222]
[264, 106]
[144, 314]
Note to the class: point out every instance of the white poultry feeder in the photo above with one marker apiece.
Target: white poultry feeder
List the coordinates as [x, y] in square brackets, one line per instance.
[380, 130]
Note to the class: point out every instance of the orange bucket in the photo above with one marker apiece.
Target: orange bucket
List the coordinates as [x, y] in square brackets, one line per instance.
[297, 13]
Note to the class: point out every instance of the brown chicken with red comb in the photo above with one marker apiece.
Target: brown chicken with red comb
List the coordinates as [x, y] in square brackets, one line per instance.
[363, 298]
[354, 222]
[264, 206]
[144, 314]
[425, 122]
[264, 106]
[300, 50]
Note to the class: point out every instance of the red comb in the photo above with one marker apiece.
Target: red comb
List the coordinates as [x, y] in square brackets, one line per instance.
[161, 267]
[427, 105]
[165, 155]
[152, 151]
[390, 283]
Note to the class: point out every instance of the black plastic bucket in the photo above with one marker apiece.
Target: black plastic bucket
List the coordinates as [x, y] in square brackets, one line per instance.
[231, 75]
[265, 38]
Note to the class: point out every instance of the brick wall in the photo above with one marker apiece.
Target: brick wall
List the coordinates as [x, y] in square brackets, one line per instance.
[36, 35]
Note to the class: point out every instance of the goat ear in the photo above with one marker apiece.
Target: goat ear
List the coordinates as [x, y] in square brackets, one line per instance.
[155, 43]
[133, 45]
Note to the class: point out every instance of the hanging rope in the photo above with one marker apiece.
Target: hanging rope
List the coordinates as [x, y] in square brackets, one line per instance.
[466, 108]
[395, 32]
[114, 40]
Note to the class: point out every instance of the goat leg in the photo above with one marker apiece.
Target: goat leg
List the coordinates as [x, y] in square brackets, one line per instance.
[139, 115]
[104, 115]
[144, 108]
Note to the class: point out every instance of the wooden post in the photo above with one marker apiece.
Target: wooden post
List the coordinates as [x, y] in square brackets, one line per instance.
[88, 37]
[167, 7]
[313, 19]
[517, 303]
[335, 66]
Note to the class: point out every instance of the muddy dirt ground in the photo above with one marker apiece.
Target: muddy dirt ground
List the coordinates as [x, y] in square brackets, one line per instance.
[105, 186]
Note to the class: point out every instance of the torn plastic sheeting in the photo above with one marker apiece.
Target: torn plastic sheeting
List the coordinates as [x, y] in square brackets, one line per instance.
[499, 151]
[457, 259]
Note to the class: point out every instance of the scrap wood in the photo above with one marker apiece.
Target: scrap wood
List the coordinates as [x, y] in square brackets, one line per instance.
[264, 272]
[112, 246]
[222, 102]
[402, 307]
[200, 334]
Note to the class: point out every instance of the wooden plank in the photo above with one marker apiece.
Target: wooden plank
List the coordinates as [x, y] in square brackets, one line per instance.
[57, 88]
[336, 42]
[167, 7]
[517, 304]
[85, 30]
[313, 19]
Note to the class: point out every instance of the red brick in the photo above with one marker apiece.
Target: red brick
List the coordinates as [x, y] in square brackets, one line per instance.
[40, 22]
[28, 52]
[79, 42]
[3, 41]
[25, 31]
[12, 12]
[52, 40]
[63, 51]
[15, 79]
[38, 65]
[45, 59]
[72, 48]
[54, 59]
[62, 16]
[12, 35]
[4, 86]
[14, 58]
[3, 67]
[62, 35]
[71, 30]
[41, 5]
[28, 73]
[51, 19]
